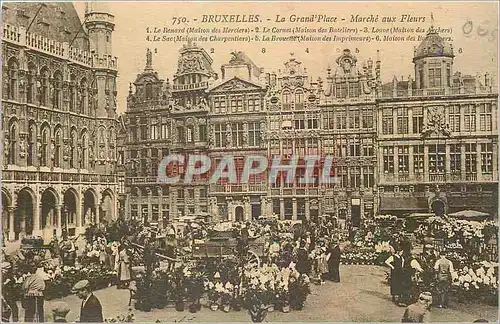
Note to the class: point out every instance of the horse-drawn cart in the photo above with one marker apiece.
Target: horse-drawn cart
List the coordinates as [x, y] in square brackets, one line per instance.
[226, 247]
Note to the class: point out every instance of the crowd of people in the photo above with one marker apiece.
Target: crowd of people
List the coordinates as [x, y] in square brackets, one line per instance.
[313, 248]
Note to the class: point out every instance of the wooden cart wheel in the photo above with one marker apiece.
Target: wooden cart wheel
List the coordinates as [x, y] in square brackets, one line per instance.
[252, 259]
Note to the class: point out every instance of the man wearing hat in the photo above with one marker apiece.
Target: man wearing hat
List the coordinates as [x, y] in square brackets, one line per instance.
[419, 311]
[9, 292]
[91, 309]
[59, 312]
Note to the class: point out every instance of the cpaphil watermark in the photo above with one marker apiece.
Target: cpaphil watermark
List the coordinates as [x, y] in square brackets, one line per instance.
[314, 169]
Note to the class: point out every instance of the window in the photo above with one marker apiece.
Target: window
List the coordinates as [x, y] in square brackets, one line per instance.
[253, 103]
[149, 91]
[435, 78]
[354, 118]
[300, 147]
[367, 119]
[486, 158]
[470, 158]
[355, 177]
[388, 155]
[74, 144]
[144, 212]
[328, 146]
[181, 134]
[44, 91]
[421, 77]
[387, 120]
[180, 193]
[164, 130]
[299, 99]
[82, 104]
[312, 146]
[254, 134]
[341, 120]
[13, 133]
[354, 148]
[343, 176]
[341, 90]
[299, 122]
[417, 119]
[236, 104]
[402, 120]
[44, 148]
[274, 147]
[133, 212]
[286, 97]
[287, 147]
[237, 134]
[220, 135]
[312, 122]
[31, 144]
[154, 132]
[368, 150]
[219, 104]
[58, 149]
[368, 177]
[470, 118]
[448, 75]
[190, 134]
[30, 86]
[202, 133]
[276, 207]
[455, 158]
[155, 212]
[403, 159]
[12, 71]
[437, 154]
[418, 159]
[328, 120]
[354, 91]
[454, 118]
[485, 117]
[144, 132]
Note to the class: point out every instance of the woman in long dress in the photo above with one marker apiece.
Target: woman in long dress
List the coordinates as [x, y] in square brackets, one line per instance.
[124, 275]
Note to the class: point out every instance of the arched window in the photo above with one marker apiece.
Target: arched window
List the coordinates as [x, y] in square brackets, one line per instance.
[299, 96]
[58, 148]
[84, 154]
[82, 105]
[72, 93]
[73, 152]
[13, 132]
[56, 99]
[45, 146]
[12, 70]
[30, 85]
[286, 97]
[31, 143]
[44, 87]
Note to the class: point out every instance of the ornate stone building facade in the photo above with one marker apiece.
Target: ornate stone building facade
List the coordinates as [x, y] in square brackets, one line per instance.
[427, 144]
[59, 119]
[438, 137]
[237, 122]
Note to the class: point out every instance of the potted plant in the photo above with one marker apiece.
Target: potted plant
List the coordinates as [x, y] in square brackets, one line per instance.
[179, 289]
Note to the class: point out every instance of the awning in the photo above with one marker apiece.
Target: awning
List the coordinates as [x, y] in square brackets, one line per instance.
[469, 214]
[403, 203]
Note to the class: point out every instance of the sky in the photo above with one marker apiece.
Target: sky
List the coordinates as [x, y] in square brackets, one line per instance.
[473, 30]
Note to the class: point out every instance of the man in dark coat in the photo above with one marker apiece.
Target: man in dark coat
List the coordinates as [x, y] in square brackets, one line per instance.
[91, 309]
[303, 264]
[333, 255]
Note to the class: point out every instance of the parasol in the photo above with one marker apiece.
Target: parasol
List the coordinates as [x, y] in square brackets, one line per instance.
[469, 214]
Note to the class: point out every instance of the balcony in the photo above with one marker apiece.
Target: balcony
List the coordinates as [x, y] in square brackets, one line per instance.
[191, 86]
[437, 177]
[56, 177]
[471, 176]
[242, 188]
[436, 92]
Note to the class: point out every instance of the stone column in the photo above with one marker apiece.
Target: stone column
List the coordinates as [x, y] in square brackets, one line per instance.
[263, 209]
[97, 210]
[462, 162]
[307, 207]
[294, 208]
[282, 208]
[37, 207]
[59, 223]
[426, 163]
[12, 234]
[479, 174]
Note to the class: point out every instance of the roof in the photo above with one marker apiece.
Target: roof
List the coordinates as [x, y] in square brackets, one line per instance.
[56, 20]
[433, 45]
[235, 79]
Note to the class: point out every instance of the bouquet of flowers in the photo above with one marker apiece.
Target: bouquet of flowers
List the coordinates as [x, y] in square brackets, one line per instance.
[477, 280]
